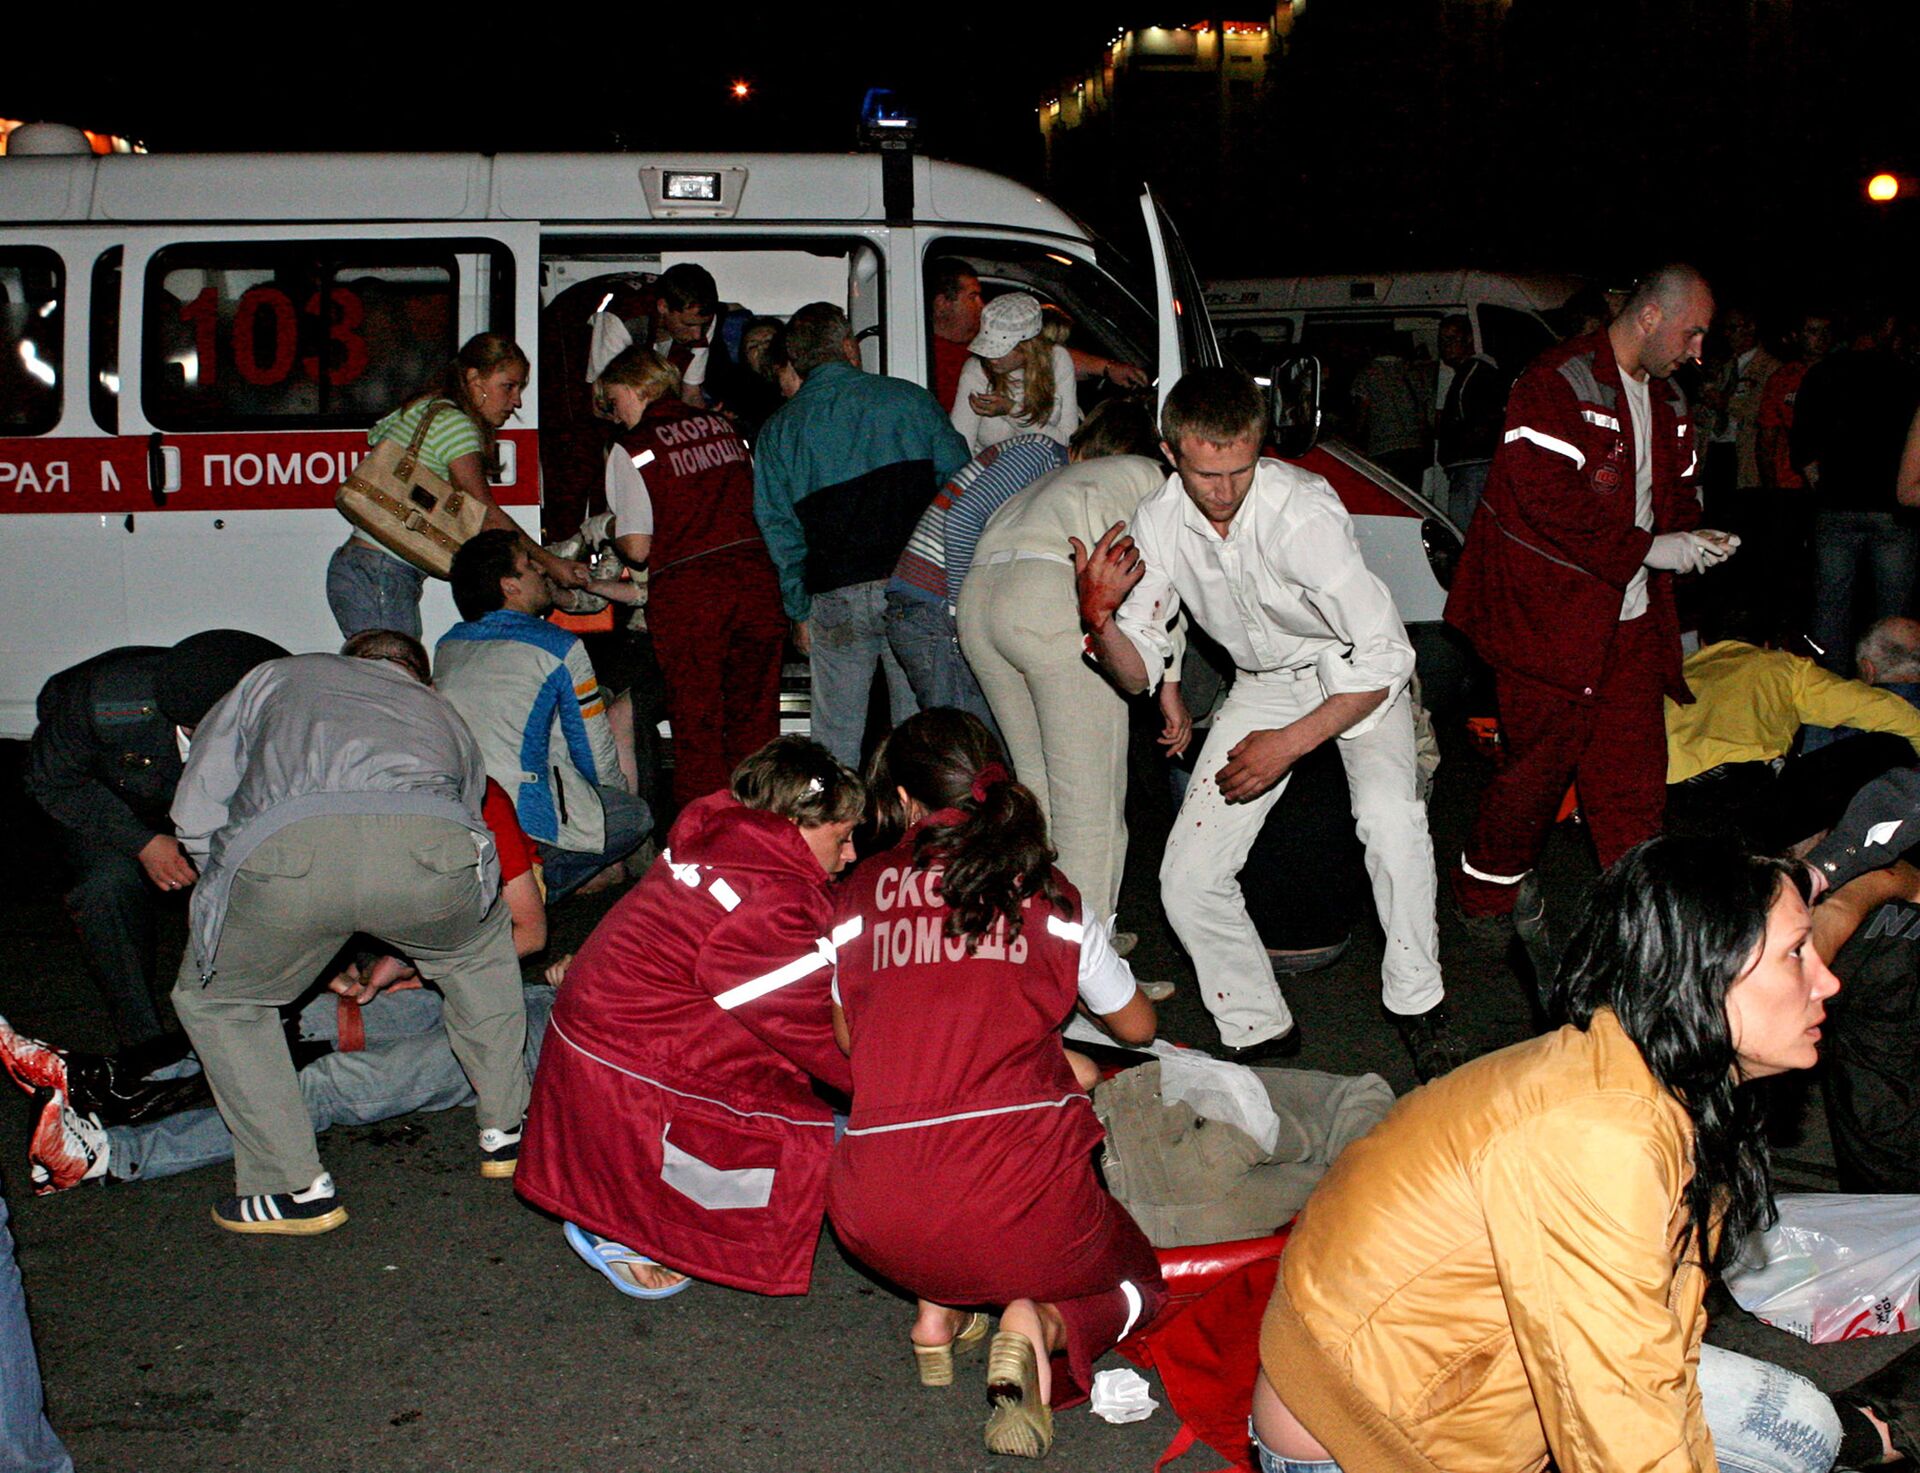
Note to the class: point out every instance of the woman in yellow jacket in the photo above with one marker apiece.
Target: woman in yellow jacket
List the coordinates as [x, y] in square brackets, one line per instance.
[1511, 1265]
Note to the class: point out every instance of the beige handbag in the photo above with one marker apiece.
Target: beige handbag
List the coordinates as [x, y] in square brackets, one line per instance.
[405, 507]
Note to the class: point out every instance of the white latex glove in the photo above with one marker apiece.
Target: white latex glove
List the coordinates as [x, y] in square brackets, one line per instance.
[1689, 552]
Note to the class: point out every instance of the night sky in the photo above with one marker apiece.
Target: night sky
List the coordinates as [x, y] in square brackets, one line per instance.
[1589, 137]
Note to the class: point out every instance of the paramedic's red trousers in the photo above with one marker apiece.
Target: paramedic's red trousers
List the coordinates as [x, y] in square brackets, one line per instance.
[719, 634]
[1613, 747]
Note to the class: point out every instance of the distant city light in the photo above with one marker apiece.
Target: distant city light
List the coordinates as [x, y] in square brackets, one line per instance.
[741, 89]
[1882, 187]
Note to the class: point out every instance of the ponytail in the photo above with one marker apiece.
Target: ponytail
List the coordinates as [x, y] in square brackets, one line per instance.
[990, 838]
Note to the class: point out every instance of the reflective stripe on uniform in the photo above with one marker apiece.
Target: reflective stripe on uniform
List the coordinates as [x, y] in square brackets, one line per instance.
[1482, 875]
[1547, 442]
[846, 931]
[1134, 1306]
[779, 977]
[968, 1115]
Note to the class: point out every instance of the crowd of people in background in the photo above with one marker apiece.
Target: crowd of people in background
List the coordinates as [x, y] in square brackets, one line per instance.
[835, 990]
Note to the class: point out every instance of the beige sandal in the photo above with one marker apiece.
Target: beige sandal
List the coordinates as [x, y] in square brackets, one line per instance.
[935, 1362]
[1022, 1424]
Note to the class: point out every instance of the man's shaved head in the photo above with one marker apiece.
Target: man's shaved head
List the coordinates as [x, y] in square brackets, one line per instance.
[1665, 287]
[1664, 322]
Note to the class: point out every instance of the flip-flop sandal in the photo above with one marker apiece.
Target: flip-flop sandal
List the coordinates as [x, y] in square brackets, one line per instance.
[935, 1362]
[1022, 1424]
[600, 1254]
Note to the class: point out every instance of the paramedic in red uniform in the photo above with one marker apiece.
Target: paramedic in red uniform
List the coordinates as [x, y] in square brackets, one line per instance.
[966, 1174]
[1566, 586]
[674, 1115]
[680, 486]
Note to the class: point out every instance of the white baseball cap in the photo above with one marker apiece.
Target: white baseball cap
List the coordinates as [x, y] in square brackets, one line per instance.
[1005, 323]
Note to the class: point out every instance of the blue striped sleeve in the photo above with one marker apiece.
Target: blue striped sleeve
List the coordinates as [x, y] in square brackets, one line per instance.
[1020, 463]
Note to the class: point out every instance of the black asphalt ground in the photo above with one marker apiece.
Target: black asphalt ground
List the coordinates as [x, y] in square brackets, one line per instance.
[448, 1326]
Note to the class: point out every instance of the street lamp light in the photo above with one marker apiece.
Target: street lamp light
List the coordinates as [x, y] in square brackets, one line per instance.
[1883, 188]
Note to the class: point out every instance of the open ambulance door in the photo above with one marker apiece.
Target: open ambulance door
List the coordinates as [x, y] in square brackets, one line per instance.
[1180, 303]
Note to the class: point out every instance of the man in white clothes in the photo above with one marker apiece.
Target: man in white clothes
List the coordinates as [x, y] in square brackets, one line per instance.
[1262, 556]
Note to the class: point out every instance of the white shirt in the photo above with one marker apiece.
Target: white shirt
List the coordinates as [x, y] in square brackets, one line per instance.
[1285, 589]
[627, 495]
[1633, 603]
[696, 371]
[980, 433]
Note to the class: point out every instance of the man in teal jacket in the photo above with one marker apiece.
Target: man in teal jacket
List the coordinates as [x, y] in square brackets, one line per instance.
[843, 473]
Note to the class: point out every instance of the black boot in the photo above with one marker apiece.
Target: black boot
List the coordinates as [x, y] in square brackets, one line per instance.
[101, 1085]
[1430, 1039]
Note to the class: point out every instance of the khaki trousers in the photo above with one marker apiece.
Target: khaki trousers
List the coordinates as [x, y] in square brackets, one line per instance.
[1065, 727]
[411, 881]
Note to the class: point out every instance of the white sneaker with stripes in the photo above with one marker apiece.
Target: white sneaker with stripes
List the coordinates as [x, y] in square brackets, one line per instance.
[301, 1214]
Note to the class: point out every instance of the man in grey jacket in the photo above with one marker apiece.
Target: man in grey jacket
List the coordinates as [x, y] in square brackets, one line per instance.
[324, 796]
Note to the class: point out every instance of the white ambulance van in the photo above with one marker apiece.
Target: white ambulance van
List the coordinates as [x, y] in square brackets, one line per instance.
[1344, 319]
[193, 347]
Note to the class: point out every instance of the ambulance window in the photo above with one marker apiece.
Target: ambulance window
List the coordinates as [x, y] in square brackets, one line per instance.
[1511, 338]
[1108, 319]
[103, 341]
[31, 298]
[310, 335]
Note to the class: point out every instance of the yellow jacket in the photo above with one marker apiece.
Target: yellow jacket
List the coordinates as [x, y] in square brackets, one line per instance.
[1749, 702]
[1495, 1273]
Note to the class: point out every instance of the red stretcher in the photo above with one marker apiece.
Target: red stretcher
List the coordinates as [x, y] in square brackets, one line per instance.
[1205, 1345]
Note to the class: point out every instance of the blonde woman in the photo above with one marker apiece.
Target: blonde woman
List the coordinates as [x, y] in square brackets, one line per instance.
[1017, 381]
[680, 486]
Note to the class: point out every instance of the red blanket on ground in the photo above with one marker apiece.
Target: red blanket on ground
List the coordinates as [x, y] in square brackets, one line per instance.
[1206, 1344]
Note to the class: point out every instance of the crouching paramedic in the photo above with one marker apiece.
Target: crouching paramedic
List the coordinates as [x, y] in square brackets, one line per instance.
[675, 1124]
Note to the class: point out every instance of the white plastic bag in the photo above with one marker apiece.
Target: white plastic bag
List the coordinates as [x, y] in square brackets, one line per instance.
[1835, 1267]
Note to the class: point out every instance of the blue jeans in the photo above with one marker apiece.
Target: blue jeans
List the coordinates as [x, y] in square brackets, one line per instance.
[923, 638]
[627, 821]
[848, 628]
[1465, 483]
[407, 1065]
[1269, 1461]
[370, 589]
[1764, 1419]
[1841, 540]
[27, 1441]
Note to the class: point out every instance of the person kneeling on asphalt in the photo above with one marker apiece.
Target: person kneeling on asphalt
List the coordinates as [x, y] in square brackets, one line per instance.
[324, 796]
[94, 1121]
[966, 1175]
[104, 762]
[676, 1126]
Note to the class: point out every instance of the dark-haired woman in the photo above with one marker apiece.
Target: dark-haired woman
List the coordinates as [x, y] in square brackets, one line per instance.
[674, 1124]
[1511, 1265]
[966, 1172]
[371, 588]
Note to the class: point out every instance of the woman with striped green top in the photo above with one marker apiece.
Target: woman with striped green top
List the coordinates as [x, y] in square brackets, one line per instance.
[369, 587]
